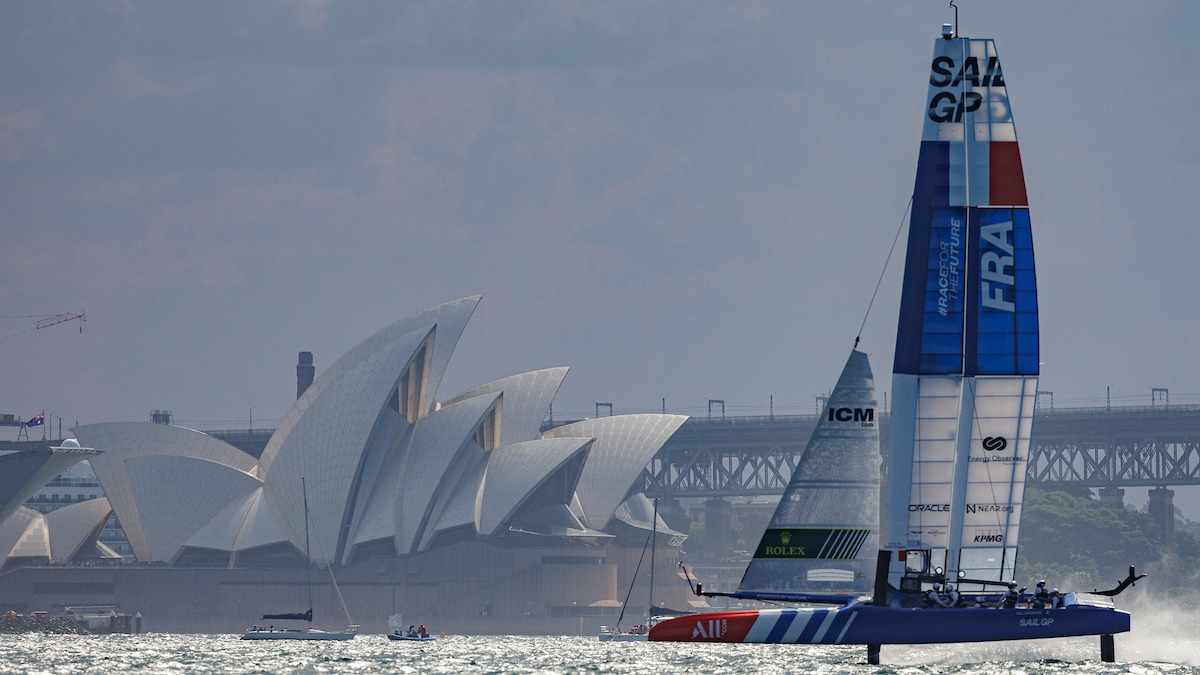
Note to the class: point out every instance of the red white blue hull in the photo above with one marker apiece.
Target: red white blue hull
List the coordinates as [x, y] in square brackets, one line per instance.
[866, 625]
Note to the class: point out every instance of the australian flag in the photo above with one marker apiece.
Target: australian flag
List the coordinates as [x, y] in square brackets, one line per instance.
[37, 420]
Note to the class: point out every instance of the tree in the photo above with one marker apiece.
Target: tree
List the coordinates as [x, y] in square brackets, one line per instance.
[1075, 542]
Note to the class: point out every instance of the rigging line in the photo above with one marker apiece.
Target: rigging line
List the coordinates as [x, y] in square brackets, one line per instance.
[879, 283]
[631, 581]
[329, 566]
[988, 465]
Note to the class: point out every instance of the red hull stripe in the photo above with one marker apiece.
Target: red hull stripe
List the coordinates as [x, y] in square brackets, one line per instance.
[788, 626]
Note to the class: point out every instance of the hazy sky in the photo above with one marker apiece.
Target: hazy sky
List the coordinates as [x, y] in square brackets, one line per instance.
[682, 199]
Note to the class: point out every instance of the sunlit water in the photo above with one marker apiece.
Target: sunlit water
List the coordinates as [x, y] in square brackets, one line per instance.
[165, 653]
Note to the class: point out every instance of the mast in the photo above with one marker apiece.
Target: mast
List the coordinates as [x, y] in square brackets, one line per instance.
[307, 554]
[653, 547]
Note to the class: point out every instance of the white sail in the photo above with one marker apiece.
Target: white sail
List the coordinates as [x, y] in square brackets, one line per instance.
[823, 536]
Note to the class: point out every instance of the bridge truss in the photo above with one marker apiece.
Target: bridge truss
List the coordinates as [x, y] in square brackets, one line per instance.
[1086, 447]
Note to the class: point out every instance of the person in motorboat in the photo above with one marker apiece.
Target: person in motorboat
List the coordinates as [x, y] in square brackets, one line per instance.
[421, 631]
[1055, 599]
[412, 631]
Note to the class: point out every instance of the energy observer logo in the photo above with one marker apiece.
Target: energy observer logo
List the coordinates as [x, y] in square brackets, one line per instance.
[993, 444]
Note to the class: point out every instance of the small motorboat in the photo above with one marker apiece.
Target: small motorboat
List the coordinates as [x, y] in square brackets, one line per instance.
[411, 638]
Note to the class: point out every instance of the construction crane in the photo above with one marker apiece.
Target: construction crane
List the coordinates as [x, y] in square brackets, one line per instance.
[46, 323]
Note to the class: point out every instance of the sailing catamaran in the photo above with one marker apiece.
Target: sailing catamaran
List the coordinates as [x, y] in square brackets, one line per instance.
[281, 632]
[963, 387]
[637, 633]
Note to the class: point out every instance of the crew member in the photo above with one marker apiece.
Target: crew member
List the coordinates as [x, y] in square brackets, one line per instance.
[1011, 596]
[1040, 596]
[1055, 599]
[933, 597]
[952, 596]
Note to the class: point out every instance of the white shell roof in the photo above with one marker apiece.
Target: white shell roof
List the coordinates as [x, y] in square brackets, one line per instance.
[638, 511]
[71, 525]
[173, 487]
[379, 517]
[23, 473]
[378, 463]
[221, 531]
[261, 526]
[527, 398]
[121, 441]
[624, 446]
[514, 472]
[434, 444]
[173, 510]
[462, 506]
[450, 318]
[16, 533]
[245, 519]
[324, 441]
[35, 542]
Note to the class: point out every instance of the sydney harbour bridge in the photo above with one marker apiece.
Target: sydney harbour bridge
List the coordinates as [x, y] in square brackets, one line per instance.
[717, 458]
[1106, 448]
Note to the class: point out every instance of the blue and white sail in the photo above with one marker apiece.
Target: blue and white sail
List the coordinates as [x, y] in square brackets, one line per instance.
[966, 364]
[822, 540]
[963, 389]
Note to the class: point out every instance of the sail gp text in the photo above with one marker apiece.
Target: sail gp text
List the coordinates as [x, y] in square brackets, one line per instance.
[1036, 622]
[949, 264]
[948, 76]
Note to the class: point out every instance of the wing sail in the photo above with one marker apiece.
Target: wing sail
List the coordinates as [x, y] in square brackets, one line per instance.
[966, 364]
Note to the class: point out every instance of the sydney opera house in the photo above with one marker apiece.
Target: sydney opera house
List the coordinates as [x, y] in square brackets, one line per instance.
[462, 512]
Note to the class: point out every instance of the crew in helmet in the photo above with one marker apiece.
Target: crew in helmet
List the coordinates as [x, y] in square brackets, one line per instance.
[952, 596]
[1055, 599]
[1040, 596]
[1011, 596]
[933, 597]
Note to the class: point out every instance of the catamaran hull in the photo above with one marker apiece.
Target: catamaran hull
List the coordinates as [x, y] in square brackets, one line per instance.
[864, 624]
[624, 637]
[292, 634]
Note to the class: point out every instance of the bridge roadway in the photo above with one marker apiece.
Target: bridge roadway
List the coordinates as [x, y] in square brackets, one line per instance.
[1107, 448]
